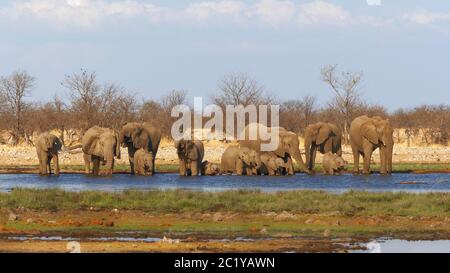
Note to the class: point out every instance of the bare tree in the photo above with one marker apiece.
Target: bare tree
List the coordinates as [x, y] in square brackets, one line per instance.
[15, 88]
[345, 86]
[95, 104]
[236, 89]
[174, 98]
[295, 115]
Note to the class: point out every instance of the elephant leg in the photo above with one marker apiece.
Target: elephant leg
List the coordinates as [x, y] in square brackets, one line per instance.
[56, 164]
[110, 169]
[182, 167]
[131, 160]
[290, 166]
[313, 158]
[355, 160]
[49, 164]
[383, 169]
[153, 165]
[194, 168]
[44, 165]
[131, 152]
[40, 164]
[95, 166]
[87, 163]
[367, 157]
[239, 167]
[249, 171]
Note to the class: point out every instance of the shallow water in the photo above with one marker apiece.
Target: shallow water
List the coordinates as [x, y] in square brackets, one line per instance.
[405, 246]
[79, 182]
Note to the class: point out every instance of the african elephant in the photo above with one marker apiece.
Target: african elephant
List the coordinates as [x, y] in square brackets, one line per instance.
[190, 154]
[136, 135]
[333, 164]
[100, 145]
[274, 165]
[322, 137]
[47, 148]
[143, 162]
[240, 160]
[368, 134]
[288, 146]
[209, 168]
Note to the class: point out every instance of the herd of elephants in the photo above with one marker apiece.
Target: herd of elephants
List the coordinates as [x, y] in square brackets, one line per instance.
[102, 145]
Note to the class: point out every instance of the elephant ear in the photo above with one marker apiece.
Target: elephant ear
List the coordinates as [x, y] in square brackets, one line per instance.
[323, 134]
[136, 138]
[192, 151]
[54, 142]
[93, 145]
[42, 143]
[369, 131]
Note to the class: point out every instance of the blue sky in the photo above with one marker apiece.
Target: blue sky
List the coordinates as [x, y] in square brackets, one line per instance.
[151, 47]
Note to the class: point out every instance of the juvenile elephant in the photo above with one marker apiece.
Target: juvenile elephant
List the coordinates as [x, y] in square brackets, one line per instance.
[368, 134]
[47, 149]
[209, 168]
[288, 144]
[190, 154]
[333, 164]
[100, 145]
[271, 164]
[240, 160]
[143, 162]
[322, 137]
[137, 135]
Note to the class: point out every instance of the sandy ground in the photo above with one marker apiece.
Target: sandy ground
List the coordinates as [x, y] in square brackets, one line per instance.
[26, 155]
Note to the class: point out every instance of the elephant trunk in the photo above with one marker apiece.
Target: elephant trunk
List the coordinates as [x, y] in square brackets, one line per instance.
[295, 153]
[389, 152]
[308, 156]
[109, 158]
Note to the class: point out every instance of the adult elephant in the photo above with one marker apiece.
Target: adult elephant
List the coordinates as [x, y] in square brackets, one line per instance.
[100, 145]
[368, 134]
[323, 137]
[190, 155]
[47, 149]
[137, 135]
[288, 145]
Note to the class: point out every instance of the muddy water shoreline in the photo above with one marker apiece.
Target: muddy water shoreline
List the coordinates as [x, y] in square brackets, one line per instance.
[253, 239]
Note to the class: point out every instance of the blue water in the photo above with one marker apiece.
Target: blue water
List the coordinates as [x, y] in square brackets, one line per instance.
[120, 182]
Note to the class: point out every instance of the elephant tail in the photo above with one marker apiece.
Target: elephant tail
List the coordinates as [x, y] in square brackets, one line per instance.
[71, 149]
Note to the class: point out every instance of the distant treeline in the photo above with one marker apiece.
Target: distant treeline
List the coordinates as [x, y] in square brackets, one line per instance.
[89, 102]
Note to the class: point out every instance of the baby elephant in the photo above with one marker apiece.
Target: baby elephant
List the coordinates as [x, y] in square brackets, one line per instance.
[209, 168]
[273, 165]
[143, 162]
[240, 161]
[333, 164]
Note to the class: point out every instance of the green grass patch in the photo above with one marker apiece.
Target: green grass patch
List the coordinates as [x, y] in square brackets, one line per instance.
[352, 203]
